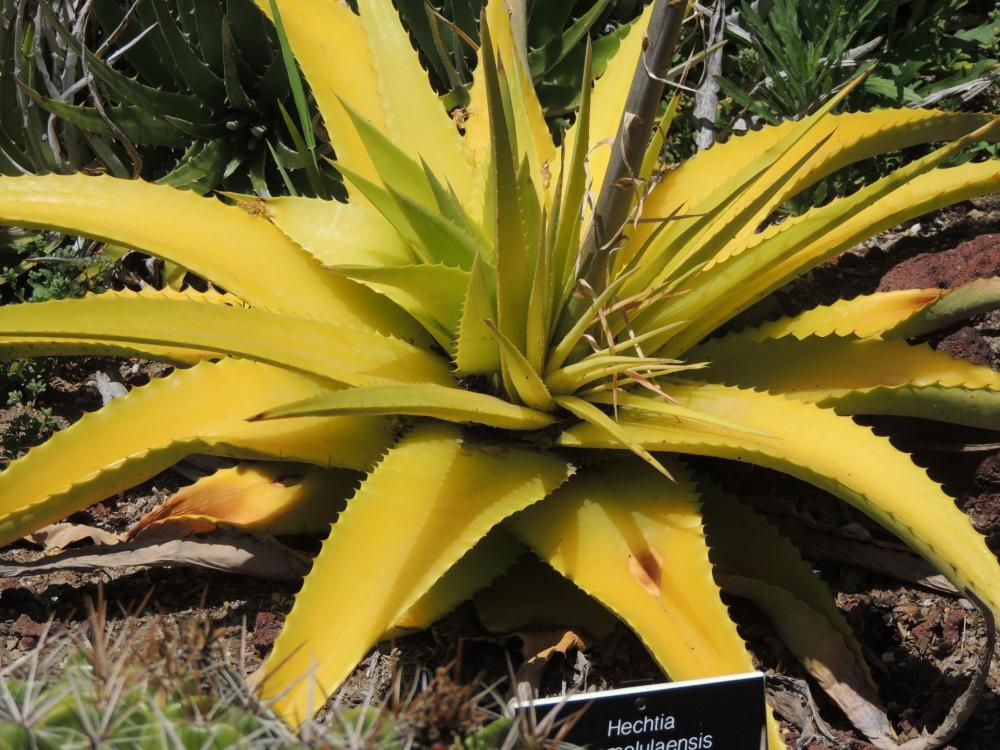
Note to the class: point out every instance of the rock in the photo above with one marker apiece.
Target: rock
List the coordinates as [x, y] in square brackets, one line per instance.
[952, 627]
[29, 630]
[967, 343]
[266, 627]
[988, 472]
[975, 259]
[24, 625]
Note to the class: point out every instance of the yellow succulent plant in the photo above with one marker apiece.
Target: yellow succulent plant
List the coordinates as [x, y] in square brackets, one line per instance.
[437, 333]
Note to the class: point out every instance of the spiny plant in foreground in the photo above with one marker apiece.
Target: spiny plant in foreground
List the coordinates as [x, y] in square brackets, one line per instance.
[462, 334]
[127, 685]
[123, 685]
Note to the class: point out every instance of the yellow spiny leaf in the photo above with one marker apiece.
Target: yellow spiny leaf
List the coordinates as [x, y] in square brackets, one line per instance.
[634, 541]
[201, 410]
[866, 315]
[425, 400]
[338, 233]
[425, 522]
[817, 367]
[336, 352]
[975, 407]
[476, 349]
[786, 250]
[532, 133]
[414, 116]
[479, 567]
[856, 136]
[833, 453]
[240, 252]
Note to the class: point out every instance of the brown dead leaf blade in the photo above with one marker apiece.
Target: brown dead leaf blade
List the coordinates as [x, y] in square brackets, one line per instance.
[824, 654]
[255, 555]
[61, 535]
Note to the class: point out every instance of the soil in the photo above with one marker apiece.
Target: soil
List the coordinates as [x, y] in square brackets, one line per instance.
[922, 645]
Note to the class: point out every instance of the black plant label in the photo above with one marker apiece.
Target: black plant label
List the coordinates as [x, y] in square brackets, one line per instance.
[724, 713]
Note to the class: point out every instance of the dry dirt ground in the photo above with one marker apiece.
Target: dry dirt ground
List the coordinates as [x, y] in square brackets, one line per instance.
[921, 645]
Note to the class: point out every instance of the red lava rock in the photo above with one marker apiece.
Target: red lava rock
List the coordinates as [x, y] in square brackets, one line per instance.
[29, 631]
[988, 472]
[967, 343]
[984, 509]
[952, 627]
[975, 259]
[266, 627]
[924, 631]
[24, 625]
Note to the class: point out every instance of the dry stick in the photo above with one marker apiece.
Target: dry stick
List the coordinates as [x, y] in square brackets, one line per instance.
[629, 146]
[706, 101]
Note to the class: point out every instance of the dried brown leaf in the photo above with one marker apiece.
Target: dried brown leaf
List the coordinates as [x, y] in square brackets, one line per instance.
[247, 554]
[538, 648]
[61, 535]
[174, 527]
[822, 651]
[895, 561]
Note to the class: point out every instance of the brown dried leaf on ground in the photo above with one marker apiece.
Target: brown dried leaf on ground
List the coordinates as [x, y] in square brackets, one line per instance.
[892, 560]
[61, 535]
[793, 701]
[539, 647]
[823, 652]
[175, 528]
[833, 665]
[247, 554]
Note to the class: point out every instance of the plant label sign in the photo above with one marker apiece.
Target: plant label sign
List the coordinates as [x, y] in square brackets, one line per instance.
[724, 713]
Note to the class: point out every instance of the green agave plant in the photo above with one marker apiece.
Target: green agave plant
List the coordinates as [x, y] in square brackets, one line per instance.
[461, 333]
[195, 95]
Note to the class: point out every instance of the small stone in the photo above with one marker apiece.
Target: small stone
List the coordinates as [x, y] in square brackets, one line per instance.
[28, 627]
[266, 627]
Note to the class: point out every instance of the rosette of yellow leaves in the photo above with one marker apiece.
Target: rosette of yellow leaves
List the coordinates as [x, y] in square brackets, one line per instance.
[433, 333]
